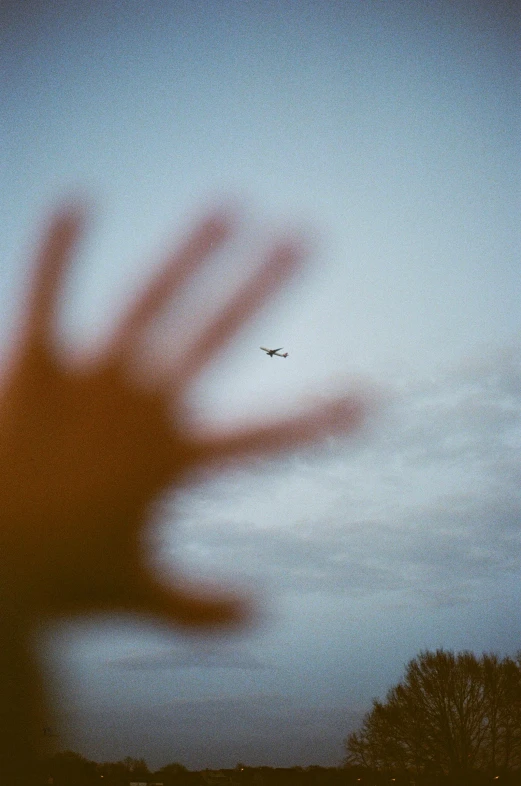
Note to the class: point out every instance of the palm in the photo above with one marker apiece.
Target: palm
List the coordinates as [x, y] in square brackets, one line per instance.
[102, 448]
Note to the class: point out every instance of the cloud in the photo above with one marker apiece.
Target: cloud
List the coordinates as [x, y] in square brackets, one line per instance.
[430, 504]
[370, 551]
[203, 654]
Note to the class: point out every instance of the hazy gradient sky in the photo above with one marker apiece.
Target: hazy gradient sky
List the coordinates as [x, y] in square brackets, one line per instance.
[392, 132]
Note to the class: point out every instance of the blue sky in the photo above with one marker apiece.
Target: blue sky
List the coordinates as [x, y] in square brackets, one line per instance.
[390, 132]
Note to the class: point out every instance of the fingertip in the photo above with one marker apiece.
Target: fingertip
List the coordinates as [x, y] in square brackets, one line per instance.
[336, 415]
[71, 216]
[350, 412]
[204, 608]
[230, 614]
[218, 225]
[291, 251]
[65, 227]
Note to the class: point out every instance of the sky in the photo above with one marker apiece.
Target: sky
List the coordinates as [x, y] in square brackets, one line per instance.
[389, 132]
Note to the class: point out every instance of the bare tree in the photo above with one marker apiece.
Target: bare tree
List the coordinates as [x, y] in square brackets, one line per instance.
[451, 713]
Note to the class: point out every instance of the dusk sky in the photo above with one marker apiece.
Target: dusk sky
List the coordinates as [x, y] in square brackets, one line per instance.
[389, 132]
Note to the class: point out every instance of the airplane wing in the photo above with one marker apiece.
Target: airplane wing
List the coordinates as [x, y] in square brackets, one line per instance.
[272, 352]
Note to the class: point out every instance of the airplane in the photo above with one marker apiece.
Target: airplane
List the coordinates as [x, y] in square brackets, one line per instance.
[277, 352]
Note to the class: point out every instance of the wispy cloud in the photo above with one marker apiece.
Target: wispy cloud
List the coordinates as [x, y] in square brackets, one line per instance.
[406, 539]
[204, 654]
[430, 503]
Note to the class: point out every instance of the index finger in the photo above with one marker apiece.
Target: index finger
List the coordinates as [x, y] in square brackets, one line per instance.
[279, 266]
[208, 235]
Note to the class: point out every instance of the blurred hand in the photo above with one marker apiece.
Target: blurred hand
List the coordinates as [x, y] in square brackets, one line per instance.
[84, 451]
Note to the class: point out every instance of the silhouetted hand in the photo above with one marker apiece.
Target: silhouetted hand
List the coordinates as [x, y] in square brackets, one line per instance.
[84, 450]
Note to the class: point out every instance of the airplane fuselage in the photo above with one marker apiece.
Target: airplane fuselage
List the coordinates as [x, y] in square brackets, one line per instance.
[272, 352]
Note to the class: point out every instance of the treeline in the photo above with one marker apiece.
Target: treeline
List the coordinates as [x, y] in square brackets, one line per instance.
[454, 718]
[71, 769]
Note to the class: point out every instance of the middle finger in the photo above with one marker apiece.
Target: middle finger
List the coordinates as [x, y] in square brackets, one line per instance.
[279, 266]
